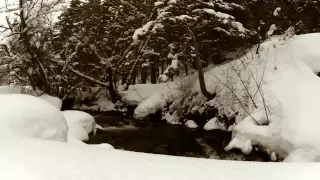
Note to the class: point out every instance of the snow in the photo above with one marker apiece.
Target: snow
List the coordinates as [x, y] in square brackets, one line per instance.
[156, 27]
[28, 116]
[158, 3]
[99, 99]
[142, 31]
[271, 30]
[293, 121]
[47, 160]
[139, 92]
[273, 95]
[191, 124]
[217, 14]
[80, 124]
[16, 89]
[239, 27]
[214, 124]
[184, 17]
[10, 168]
[276, 11]
[172, 2]
[149, 106]
[55, 101]
[220, 29]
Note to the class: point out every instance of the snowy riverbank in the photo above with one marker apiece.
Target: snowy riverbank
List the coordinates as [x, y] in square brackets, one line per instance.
[272, 96]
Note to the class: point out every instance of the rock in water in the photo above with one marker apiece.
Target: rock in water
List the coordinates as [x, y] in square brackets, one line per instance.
[80, 123]
[191, 124]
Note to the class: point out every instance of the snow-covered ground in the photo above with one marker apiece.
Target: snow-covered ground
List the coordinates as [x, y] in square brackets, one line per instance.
[48, 160]
[274, 95]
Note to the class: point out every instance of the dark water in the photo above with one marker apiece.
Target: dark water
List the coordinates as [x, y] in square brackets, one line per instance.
[159, 137]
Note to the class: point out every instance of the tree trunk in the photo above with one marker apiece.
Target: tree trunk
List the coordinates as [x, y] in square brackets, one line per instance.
[162, 66]
[143, 73]
[34, 53]
[124, 78]
[134, 76]
[185, 64]
[153, 70]
[198, 65]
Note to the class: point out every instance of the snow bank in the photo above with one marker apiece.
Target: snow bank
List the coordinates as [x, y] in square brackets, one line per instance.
[140, 92]
[16, 89]
[149, 106]
[273, 95]
[80, 124]
[99, 99]
[293, 125]
[63, 161]
[28, 116]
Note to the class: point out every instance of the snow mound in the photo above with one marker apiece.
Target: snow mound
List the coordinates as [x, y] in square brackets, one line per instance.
[149, 106]
[191, 124]
[213, 124]
[55, 101]
[29, 116]
[80, 123]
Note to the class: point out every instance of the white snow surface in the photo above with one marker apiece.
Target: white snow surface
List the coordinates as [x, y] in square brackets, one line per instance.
[191, 124]
[149, 106]
[276, 11]
[272, 28]
[28, 116]
[80, 124]
[213, 124]
[293, 125]
[158, 3]
[48, 160]
[55, 101]
[217, 14]
[142, 31]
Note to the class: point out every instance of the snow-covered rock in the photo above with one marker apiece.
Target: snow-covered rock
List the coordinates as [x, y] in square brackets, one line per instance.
[191, 124]
[28, 116]
[149, 106]
[55, 101]
[80, 123]
[213, 124]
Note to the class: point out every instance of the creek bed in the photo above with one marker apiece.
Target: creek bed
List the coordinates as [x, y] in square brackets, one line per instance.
[158, 137]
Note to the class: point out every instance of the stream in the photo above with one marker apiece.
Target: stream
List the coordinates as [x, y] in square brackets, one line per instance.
[158, 137]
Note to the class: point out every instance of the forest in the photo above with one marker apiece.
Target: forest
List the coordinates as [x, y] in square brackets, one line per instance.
[211, 79]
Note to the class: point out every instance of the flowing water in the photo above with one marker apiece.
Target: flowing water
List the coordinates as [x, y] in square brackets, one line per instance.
[158, 137]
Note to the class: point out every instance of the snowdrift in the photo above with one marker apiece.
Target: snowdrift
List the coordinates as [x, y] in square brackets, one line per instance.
[48, 160]
[28, 116]
[273, 96]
